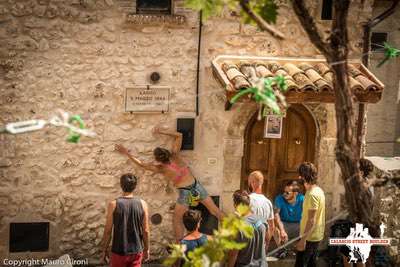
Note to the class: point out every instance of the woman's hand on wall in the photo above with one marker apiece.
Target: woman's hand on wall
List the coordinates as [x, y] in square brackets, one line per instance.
[121, 149]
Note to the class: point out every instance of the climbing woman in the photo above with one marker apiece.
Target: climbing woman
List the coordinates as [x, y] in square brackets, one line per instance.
[171, 165]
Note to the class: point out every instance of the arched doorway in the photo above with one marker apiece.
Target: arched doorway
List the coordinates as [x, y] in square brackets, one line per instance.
[278, 159]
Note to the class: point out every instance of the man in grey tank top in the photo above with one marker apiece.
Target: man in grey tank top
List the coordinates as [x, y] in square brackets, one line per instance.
[127, 218]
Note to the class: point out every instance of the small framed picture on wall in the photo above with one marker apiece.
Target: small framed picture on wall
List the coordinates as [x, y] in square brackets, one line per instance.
[273, 126]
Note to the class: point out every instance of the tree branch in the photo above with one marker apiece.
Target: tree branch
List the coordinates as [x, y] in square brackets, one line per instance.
[308, 23]
[260, 21]
[339, 37]
[378, 182]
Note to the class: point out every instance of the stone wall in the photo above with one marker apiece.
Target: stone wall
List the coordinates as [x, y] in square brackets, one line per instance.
[383, 122]
[387, 202]
[80, 56]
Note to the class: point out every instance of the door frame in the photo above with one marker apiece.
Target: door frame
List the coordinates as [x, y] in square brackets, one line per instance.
[298, 108]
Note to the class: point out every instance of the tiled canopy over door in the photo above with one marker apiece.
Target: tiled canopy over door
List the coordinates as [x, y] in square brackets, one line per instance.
[308, 80]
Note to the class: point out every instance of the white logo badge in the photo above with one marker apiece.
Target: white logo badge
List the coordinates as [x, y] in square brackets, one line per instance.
[359, 242]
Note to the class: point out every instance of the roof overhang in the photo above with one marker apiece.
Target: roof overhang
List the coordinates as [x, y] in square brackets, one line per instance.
[309, 80]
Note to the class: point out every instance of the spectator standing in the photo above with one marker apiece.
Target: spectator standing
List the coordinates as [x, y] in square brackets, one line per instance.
[128, 220]
[312, 224]
[254, 254]
[260, 205]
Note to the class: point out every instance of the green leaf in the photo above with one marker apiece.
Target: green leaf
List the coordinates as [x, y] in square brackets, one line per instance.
[242, 210]
[390, 52]
[281, 82]
[269, 11]
[236, 97]
[208, 7]
[195, 4]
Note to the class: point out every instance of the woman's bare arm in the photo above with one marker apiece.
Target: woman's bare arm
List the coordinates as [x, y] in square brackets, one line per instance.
[107, 231]
[176, 147]
[147, 166]
[146, 232]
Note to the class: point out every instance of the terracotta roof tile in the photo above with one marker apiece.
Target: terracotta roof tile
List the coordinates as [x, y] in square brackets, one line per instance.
[309, 76]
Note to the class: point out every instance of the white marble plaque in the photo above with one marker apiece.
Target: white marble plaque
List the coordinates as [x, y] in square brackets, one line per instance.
[147, 99]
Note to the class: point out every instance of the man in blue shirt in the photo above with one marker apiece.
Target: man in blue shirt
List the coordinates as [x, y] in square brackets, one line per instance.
[288, 211]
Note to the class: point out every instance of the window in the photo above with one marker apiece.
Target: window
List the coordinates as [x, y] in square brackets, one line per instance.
[29, 237]
[153, 7]
[327, 9]
[377, 41]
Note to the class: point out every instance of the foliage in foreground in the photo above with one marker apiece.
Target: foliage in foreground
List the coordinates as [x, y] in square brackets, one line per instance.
[267, 9]
[214, 251]
[268, 92]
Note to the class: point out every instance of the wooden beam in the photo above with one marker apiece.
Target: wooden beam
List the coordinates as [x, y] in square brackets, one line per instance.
[314, 97]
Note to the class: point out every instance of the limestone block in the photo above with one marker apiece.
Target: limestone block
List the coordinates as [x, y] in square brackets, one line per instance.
[89, 163]
[67, 12]
[67, 238]
[108, 73]
[39, 10]
[4, 14]
[86, 17]
[109, 37]
[79, 226]
[89, 4]
[66, 247]
[44, 45]
[386, 204]
[5, 162]
[86, 235]
[51, 11]
[94, 225]
[21, 9]
[109, 2]
[233, 147]
[106, 182]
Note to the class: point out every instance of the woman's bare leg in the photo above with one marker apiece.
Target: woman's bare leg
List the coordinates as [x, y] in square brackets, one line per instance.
[178, 223]
[212, 208]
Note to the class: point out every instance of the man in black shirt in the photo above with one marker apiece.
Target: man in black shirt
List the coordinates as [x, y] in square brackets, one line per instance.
[127, 217]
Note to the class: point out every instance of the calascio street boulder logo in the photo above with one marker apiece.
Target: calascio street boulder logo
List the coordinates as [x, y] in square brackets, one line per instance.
[360, 242]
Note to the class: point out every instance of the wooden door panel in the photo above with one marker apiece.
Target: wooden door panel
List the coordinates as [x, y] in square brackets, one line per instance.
[278, 159]
[296, 142]
[259, 147]
[259, 158]
[297, 146]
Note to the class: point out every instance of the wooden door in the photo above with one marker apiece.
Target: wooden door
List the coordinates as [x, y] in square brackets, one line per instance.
[278, 159]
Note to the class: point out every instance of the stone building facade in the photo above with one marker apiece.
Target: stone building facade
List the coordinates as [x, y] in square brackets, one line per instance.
[79, 56]
[383, 123]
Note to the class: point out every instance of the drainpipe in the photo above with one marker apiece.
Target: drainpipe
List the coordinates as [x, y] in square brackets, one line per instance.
[198, 62]
[362, 107]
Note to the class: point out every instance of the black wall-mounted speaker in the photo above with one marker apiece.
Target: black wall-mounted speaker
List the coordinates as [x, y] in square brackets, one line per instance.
[26, 237]
[186, 127]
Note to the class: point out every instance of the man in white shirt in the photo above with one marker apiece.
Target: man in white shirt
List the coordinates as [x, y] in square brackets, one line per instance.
[259, 204]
